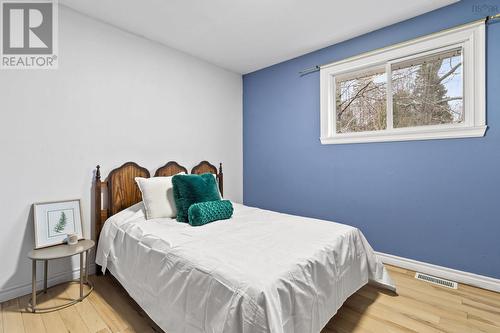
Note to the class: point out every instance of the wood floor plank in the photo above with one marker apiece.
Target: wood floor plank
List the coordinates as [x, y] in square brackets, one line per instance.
[417, 307]
[113, 319]
[345, 326]
[106, 330]
[371, 323]
[404, 306]
[484, 317]
[481, 306]
[484, 327]
[450, 311]
[358, 304]
[12, 318]
[409, 281]
[485, 298]
[396, 269]
[32, 322]
[52, 320]
[89, 315]
[453, 326]
[488, 294]
[425, 310]
[446, 295]
[408, 288]
[490, 315]
[91, 318]
[113, 322]
[1, 318]
[69, 315]
[122, 304]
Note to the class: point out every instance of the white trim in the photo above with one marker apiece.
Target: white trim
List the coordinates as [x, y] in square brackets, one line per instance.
[472, 279]
[24, 289]
[442, 34]
[408, 135]
[388, 97]
[470, 38]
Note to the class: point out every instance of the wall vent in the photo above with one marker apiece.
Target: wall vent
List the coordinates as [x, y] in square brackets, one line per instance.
[436, 280]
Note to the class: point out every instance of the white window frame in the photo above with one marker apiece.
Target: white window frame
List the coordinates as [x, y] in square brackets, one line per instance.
[470, 38]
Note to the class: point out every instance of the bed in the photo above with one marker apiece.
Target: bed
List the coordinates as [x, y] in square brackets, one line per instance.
[260, 271]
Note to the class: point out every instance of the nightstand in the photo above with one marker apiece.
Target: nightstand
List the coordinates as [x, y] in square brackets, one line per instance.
[61, 251]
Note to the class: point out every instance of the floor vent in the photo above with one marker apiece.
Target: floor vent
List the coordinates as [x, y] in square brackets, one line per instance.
[436, 280]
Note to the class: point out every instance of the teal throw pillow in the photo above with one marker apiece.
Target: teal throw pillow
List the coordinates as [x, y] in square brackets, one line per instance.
[190, 189]
[209, 211]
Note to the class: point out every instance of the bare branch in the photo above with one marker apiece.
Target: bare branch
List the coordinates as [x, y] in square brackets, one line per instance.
[451, 71]
[448, 99]
[360, 91]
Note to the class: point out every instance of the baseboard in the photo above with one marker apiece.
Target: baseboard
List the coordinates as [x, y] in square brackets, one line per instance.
[472, 279]
[24, 289]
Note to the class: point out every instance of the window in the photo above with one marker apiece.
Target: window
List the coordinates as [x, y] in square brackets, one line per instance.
[361, 101]
[429, 88]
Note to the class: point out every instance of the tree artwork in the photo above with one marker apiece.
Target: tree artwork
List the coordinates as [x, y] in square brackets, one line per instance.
[61, 224]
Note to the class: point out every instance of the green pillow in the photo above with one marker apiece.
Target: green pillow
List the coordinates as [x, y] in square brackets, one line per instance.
[190, 189]
[205, 212]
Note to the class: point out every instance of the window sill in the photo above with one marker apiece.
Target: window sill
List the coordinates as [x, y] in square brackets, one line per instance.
[406, 135]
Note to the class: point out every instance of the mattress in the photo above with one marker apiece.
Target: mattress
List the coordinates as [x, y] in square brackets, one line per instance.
[260, 271]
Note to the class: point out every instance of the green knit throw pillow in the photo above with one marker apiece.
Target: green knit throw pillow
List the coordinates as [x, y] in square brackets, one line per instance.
[190, 189]
[209, 211]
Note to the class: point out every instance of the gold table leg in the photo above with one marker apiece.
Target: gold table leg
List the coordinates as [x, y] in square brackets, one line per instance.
[46, 274]
[81, 275]
[33, 285]
[87, 266]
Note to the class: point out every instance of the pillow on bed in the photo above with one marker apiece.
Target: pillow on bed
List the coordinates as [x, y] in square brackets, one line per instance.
[158, 196]
[217, 182]
[205, 212]
[190, 189]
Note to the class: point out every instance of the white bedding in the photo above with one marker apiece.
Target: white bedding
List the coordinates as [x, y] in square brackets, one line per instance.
[259, 271]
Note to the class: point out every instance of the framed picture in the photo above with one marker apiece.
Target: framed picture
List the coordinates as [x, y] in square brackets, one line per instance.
[55, 220]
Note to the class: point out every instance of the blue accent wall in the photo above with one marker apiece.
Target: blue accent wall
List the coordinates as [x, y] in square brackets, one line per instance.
[436, 201]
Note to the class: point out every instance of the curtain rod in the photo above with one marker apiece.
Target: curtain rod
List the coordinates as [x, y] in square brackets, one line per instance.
[318, 67]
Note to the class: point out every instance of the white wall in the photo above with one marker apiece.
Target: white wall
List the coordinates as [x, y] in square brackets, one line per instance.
[116, 97]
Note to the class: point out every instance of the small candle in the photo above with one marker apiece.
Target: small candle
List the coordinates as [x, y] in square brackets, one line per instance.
[72, 239]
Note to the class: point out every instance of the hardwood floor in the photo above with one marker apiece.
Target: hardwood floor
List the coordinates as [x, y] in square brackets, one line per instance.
[418, 307]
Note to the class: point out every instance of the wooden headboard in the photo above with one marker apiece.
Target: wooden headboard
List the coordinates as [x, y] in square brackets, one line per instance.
[170, 169]
[205, 167]
[122, 191]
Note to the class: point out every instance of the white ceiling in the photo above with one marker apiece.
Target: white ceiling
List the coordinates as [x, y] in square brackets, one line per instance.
[244, 36]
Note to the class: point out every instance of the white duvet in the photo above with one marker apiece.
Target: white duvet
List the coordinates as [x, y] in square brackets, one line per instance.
[259, 271]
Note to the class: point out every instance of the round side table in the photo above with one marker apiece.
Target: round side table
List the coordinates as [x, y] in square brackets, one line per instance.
[61, 251]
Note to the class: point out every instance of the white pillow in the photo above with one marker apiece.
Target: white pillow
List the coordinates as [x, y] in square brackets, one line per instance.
[158, 196]
[217, 182]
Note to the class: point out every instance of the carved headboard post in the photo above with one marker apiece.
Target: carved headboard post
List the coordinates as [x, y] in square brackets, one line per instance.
[98, 210]
[220, 178]
[98, 202]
